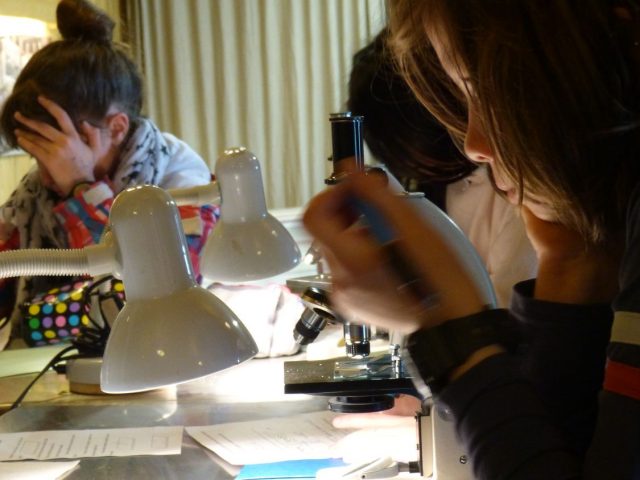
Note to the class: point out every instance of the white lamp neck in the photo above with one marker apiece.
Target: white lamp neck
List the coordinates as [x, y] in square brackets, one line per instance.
[151, 243]
[198, 195]
[241, 191]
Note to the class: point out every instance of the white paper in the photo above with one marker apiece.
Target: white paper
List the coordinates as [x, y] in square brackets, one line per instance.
[297, 437]
[112, 442]
[36, 470]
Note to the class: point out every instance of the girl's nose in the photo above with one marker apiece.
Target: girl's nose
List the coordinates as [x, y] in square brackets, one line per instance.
[476, 143]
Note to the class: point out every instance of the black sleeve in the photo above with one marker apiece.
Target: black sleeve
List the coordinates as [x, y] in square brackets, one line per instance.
[505, 427]
[564, 358]
[615, 451]
[532, 415]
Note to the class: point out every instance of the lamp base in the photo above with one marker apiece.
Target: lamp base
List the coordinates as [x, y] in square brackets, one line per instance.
[84, 375]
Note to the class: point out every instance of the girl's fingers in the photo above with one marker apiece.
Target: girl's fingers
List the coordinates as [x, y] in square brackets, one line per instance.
[61, 116]
[360, 266]
[327, 214]
[330, 213]
[41, 128]
[32, 144]
[372, 420]
[92, 134]
[552, 240]
[329, 218]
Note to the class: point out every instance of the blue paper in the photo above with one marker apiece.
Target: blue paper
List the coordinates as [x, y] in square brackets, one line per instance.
[295, 469]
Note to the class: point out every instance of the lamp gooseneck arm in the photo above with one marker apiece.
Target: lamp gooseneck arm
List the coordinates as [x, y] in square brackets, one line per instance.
[94, 260]
[198, 195]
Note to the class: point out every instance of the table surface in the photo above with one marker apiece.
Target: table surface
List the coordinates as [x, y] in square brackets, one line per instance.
[250, 391]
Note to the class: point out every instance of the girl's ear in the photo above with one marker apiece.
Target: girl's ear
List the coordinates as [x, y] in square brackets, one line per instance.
[118, 127]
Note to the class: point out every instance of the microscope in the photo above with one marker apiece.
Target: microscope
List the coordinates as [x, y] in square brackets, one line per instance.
[359, 381]
[362, 381]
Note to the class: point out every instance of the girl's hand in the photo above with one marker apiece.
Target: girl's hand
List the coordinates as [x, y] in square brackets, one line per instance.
[404, 407]
[67, 156]
[552, 241]
[364, 285]
[570, 270]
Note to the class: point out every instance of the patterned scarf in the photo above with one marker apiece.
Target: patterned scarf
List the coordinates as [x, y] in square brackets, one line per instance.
[143, 160]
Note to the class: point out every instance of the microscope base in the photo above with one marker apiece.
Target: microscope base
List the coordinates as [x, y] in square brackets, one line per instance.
[441, 455]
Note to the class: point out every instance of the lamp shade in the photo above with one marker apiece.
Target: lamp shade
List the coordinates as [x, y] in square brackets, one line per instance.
[171, 330]
[248, 243]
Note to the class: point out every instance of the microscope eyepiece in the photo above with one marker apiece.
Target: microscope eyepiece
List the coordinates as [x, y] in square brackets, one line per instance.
[347, 146]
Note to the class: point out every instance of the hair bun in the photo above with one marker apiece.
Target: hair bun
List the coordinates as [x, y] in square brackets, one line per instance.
[80, 19]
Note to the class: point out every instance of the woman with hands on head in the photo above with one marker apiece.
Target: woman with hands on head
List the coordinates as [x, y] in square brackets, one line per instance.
[76, 109]
[67, 155]
[546, 94]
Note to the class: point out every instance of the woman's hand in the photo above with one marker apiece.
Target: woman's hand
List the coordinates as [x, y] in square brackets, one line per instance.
[570, 270]
[404, 407]
[67, 156]
[365, 287]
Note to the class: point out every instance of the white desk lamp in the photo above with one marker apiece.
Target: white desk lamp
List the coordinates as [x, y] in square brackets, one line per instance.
[171, 330]
[248, 243]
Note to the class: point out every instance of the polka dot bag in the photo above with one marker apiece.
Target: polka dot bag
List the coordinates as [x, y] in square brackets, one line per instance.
[60, 314]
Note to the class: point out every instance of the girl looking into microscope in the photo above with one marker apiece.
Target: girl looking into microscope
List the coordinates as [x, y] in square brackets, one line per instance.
[545, 94]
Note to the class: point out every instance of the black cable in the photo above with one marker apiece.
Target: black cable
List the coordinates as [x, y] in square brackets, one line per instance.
[86, 299]
[91, 341]
[119, 301]
[56, 359]
[93, 338]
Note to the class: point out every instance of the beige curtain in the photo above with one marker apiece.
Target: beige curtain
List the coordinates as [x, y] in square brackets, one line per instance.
[260, 73]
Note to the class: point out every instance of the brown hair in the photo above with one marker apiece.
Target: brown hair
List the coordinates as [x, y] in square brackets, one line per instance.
[85, 73]
[398, 129]
[555, 85]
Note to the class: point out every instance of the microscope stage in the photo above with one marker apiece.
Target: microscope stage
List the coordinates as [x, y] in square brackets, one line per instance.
[344, 376]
